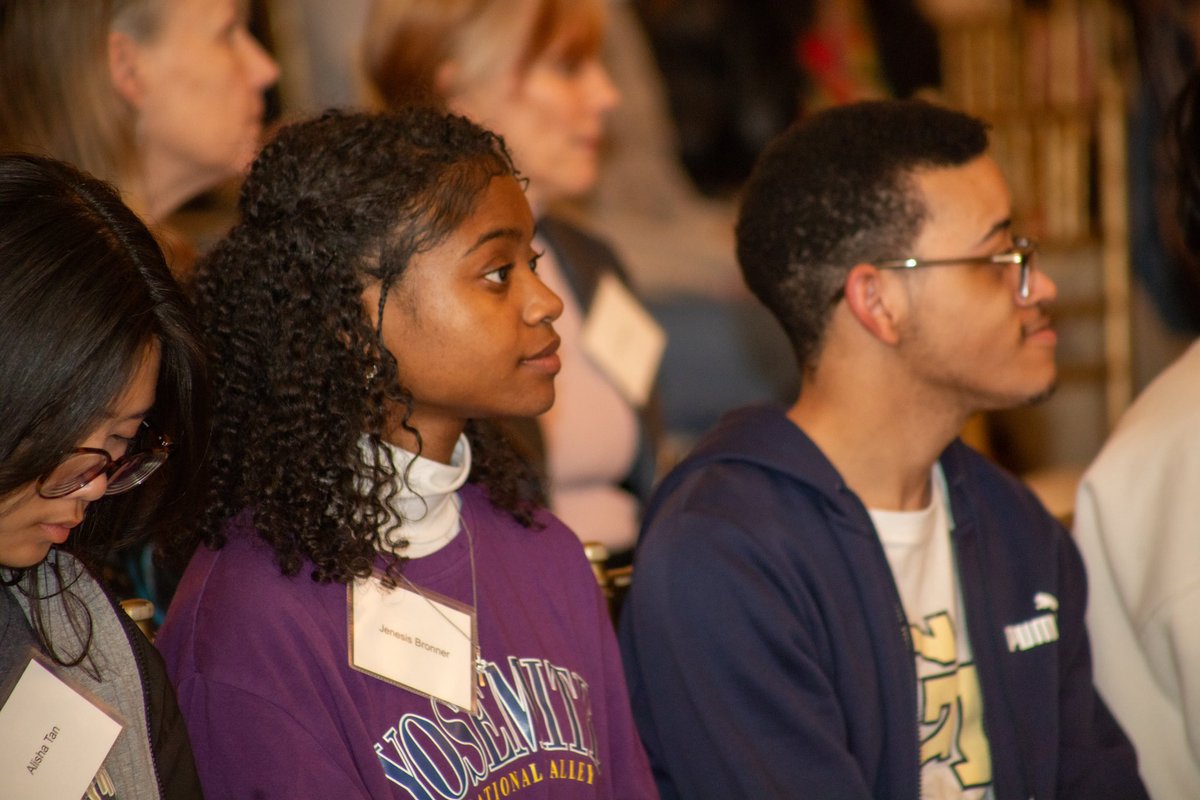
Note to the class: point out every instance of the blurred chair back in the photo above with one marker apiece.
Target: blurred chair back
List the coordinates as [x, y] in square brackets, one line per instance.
[613, 581]
[141, 611]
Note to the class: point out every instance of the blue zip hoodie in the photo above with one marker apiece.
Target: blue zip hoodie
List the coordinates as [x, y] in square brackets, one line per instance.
[768, 653]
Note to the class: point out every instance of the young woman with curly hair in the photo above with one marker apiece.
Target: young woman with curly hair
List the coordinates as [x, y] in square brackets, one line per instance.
[531, 71]
[102, 377]
[376, 304]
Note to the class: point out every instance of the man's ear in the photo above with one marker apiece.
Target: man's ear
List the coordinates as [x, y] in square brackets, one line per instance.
[870, 302]
[123, 67]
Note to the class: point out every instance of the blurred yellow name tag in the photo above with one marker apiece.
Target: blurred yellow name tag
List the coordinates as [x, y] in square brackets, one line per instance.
[53, 738]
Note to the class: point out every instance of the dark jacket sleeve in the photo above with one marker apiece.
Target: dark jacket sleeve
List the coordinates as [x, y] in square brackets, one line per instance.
[726, 668]
[169, 741]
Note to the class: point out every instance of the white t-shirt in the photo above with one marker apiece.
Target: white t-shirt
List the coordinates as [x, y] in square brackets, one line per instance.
[956, 760]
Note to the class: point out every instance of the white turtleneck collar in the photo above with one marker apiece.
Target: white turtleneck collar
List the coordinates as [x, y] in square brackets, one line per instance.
[427, 502]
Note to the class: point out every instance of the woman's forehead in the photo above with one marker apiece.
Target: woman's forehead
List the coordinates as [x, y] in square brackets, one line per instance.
[566, 28]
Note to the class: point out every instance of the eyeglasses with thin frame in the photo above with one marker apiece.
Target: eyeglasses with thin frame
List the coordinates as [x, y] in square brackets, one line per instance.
[1023, 254]
[82, 465]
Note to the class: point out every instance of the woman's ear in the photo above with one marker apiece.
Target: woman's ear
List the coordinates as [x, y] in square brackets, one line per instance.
[123, 67]
[445, 79]
[872, 304]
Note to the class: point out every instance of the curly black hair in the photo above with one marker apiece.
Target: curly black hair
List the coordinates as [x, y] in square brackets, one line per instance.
[837, 190]
[301, 375]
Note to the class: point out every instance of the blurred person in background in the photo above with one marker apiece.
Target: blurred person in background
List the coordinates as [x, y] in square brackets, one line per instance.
[1166, 34]
[162, 98]
[1135, 521]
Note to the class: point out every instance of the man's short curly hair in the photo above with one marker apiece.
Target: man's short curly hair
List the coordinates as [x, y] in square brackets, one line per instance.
[835, 191]
[301, 375]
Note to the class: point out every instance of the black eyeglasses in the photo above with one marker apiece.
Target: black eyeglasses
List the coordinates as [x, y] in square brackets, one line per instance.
[1023, 254]
[83, 465]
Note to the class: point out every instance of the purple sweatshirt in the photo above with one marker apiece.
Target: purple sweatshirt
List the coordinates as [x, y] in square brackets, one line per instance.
[274, 710]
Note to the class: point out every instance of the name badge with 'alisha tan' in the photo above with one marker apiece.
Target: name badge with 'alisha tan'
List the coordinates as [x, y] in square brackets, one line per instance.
[54, 737]
[423, 642]
[623, 340]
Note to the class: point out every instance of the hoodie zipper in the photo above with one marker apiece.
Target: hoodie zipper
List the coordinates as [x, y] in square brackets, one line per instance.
[906, 635]
[139, 659]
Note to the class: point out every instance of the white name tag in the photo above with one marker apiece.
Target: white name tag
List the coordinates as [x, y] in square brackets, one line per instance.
[423, 643]
[621, 337]
[53, 739]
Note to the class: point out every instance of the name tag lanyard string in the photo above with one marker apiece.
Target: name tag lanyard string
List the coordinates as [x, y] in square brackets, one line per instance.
[480, 664]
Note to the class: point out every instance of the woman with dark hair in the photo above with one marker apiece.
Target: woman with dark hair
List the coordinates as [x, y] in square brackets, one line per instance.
[381, 608]
[102, 377]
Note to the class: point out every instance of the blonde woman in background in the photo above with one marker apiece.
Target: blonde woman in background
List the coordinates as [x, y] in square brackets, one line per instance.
[162, 98]
[530, 70]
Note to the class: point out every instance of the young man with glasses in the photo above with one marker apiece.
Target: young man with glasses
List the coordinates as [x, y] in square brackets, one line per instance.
[840, 599]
